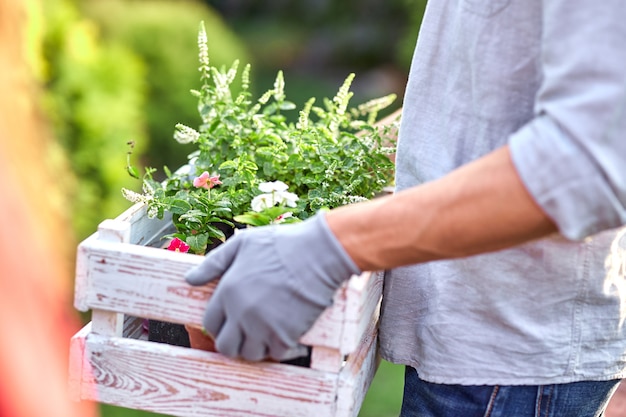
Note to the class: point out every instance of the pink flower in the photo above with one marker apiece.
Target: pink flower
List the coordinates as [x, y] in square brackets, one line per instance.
[205, 180]
[178, 245]
[281, 218]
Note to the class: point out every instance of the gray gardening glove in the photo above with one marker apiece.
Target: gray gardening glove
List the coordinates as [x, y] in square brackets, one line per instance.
[275, 282]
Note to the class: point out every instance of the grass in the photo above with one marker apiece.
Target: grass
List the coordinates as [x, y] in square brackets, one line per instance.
[382, 400]
[384, 397]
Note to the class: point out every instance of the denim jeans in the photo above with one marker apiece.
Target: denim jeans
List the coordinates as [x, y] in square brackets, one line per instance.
[577, 399]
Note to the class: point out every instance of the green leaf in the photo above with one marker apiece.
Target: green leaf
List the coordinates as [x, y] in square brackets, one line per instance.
[213, 125]
[193, 216]
[132, 171]
[287, 105]
[276, 211]
[228, 165]
[216, 220]
[180, 206]
[314, 194]
[253, 219]
[231, 122]
[270, 109]
[215, 232]
[278, 119]
[197, 243]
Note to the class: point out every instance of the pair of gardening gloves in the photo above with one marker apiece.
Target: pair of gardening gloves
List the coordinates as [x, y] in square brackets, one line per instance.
[275, 282]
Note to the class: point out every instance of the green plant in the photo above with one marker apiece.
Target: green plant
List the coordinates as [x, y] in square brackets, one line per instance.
[333, 155]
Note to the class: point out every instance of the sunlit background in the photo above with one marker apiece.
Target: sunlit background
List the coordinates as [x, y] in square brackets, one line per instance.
[109, 72]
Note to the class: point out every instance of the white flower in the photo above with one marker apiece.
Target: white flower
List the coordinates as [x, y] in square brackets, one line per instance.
[148, 190]
[262, 202]
[344, 95]
[268, 187]
[257, 119]
[133, 197]
[279, 87]
[203, 55]
[222, 80]
[377, 104]
[303, 120]
[245, 78]
[274, 193]
[185, 134]
[287, 198]
[152, 212]
[266, 96]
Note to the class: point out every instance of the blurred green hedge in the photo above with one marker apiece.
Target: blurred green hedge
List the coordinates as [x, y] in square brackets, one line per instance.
[164, 35]
[117, 72]
[94, 98]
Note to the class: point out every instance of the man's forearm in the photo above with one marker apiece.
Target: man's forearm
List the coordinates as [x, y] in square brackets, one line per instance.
[480, 207]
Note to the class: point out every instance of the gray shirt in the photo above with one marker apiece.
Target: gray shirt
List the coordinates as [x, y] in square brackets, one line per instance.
[548, 77]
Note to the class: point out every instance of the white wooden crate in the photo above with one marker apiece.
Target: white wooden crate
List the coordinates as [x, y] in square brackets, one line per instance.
[120, 276]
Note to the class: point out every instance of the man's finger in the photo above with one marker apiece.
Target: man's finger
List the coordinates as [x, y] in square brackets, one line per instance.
[253, 349]
[213, 320]
[216, 262]
[228, 340]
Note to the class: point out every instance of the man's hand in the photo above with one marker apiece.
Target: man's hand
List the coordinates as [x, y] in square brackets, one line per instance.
[275, 282]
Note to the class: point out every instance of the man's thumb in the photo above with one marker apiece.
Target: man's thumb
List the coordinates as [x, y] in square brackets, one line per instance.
[215, 263]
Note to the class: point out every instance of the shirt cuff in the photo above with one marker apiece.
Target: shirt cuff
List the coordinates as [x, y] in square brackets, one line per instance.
[565, 180]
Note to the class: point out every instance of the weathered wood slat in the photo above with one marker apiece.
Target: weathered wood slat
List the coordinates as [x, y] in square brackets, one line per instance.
[77, 363]
[111, 323]
[362, 304]
[190, 383]
[357, 374]
[343, 324]
[326, 359]
[138, 280]
[149, 282]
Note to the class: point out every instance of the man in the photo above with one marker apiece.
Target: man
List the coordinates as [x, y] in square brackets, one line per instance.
[505, 294]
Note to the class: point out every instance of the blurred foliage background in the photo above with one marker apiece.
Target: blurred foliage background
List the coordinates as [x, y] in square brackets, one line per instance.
[118, 72]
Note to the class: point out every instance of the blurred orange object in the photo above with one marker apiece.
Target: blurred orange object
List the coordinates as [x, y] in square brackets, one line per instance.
[199, 339]
[36, 315]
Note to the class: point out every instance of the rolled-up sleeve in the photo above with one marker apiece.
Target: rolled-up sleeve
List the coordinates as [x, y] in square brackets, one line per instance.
[572, 155]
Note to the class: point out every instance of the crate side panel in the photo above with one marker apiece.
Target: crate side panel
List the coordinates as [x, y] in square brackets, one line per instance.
[362, 306]
[144, 230]
[77, 362]
[149, 283]
[144, 282]
[189, 383]
[356, 376]
[328, 328]
[82, 283]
